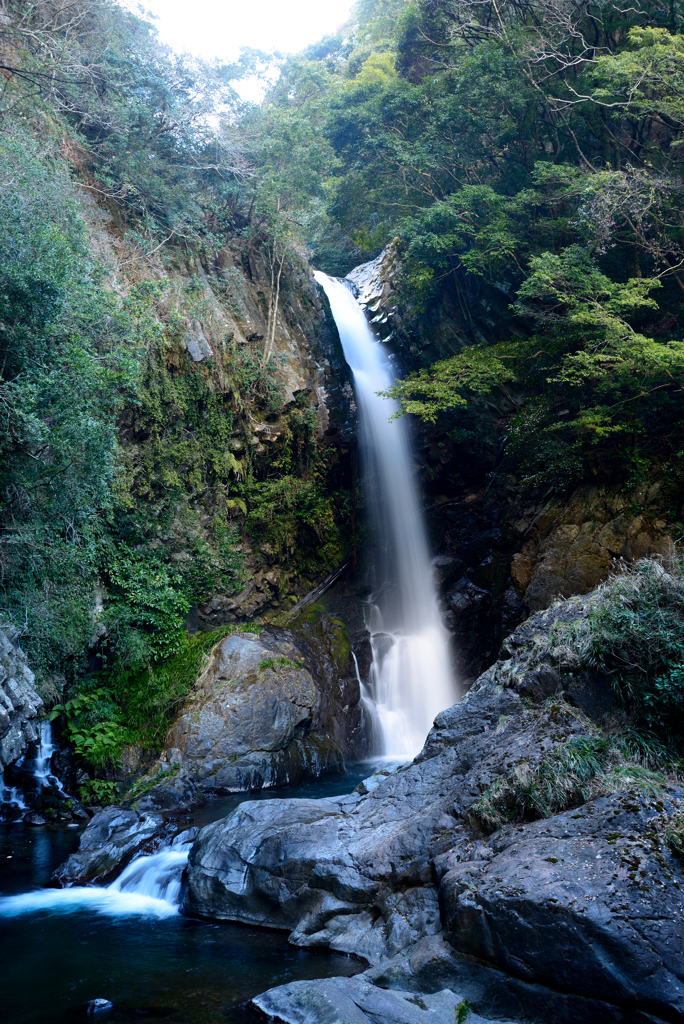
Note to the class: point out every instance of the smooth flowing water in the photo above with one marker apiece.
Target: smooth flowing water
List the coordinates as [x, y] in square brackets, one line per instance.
[40, 766]
[43, 771]
[411, 674]
[129, 943]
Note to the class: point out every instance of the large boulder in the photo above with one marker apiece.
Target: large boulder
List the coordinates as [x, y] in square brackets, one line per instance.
[268, 710]
[586, 902]
[576, 918]
[19, 702]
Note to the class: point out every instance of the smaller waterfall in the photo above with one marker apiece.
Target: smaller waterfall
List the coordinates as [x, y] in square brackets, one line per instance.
[11, 795]
[157, 877]
[150, 885]
[46, 748]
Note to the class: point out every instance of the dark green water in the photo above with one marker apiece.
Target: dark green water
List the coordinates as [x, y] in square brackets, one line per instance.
[174, 969]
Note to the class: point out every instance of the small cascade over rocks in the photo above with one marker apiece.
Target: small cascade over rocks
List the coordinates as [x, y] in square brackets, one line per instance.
[11, 799]
[42, 771]
[151, 884]
[411, 676]
[32, 785]
[19, 701]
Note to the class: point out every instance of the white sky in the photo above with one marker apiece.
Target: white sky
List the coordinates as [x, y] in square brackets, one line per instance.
[218, 28]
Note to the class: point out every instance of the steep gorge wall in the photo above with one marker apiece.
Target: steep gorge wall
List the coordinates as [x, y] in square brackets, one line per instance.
[502, 555]
[218, 316]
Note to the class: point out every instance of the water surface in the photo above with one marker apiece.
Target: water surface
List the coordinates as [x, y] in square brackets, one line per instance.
[61, 952]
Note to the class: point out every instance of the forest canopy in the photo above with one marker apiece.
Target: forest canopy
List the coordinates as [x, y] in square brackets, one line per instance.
[526, 150]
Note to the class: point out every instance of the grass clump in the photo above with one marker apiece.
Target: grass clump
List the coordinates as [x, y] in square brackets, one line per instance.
[463, 1012]
[675, 836]
[574, 772]
[273, 663]
[633, 632]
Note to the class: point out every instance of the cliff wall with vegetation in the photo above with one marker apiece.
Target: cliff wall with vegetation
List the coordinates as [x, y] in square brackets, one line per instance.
[177, 449]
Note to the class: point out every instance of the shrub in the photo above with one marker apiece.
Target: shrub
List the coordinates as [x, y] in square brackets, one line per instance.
[634, 632]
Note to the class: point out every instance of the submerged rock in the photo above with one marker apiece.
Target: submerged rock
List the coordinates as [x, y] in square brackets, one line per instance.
[113, 837]
[268, 710]
[34, 818]
[96, 1007]
[575, 918]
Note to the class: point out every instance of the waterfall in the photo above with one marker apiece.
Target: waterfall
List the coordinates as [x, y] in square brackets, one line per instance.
[411, 676]
[46, 748]
[151, 884]
[11, 795]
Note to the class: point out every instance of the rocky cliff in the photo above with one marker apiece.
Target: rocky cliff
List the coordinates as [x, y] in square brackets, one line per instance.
[19, 702]
[220, 317]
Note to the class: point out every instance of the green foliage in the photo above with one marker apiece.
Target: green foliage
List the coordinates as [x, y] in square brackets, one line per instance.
[99, 792]
[463, 1011]
[143, 117]
[177, 462]
[611, 379]
[75, 507]
[572, 773]
[93, 726]
[634, 632]
[294, 518]
[68, 357]
[446, 384]
[547, 458]
[134, 708]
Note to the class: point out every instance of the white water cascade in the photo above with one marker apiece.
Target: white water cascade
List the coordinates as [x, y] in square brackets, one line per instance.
[411, 675]
[11, 795]
[46, 748]
[150, 885]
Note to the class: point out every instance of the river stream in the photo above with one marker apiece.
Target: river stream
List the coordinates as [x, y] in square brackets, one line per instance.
[128, 943]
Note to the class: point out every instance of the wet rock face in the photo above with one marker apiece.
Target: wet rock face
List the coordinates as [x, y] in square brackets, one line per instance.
[111, 840]
[472, 575]
[269, 709]
[19, 702]
[592, 894]
[576, 918]
[570, 550]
